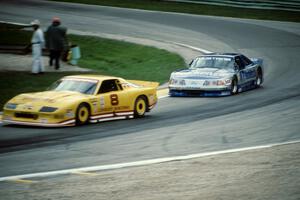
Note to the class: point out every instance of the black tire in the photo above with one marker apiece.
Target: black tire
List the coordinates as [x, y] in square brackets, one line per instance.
[234, 86]
[82, 114]
[140, 107]
[259, 78]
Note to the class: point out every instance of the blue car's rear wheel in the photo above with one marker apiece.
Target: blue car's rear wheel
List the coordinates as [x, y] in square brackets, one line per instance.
[259, 79]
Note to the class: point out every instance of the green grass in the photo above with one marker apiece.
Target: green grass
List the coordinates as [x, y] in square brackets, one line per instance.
[103, 56]
[14, 37]
[14, 83]
[131, 61]
[199, 9]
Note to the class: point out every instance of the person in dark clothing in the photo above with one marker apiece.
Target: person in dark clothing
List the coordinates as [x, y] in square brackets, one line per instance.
[56, 41]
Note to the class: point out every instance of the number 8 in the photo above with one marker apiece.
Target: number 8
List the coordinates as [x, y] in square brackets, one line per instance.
[114, 99]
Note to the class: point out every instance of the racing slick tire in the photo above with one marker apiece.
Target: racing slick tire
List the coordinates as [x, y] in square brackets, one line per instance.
[140, 107]
[82, 114]
[259, 78]
[234, 86]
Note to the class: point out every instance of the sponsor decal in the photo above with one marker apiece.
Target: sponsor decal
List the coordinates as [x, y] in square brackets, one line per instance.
[122, 108]
[102, 103]
[44, 121]
[70, 113]
[27, 107]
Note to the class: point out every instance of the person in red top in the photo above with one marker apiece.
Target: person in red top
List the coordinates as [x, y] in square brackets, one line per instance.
[56, 41]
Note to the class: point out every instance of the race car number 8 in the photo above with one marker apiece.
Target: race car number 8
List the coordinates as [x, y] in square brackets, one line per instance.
[114, 99]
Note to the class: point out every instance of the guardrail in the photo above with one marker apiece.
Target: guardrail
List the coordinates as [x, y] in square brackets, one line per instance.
[289, 5]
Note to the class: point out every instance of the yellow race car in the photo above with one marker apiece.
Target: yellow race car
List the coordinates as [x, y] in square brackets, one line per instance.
[79, 99]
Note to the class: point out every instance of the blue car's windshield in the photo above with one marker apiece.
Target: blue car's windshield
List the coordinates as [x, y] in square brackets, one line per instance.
[213, 62]
[75, 85]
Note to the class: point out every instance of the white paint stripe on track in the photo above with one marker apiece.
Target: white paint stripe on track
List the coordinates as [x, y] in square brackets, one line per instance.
[163, 97]
[192, 47]
[139, 163]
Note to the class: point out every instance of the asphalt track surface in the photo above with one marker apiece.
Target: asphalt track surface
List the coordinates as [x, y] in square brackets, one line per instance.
[177, 126]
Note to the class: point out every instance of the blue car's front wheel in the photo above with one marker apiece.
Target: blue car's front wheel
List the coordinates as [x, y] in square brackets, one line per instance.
[234, 86]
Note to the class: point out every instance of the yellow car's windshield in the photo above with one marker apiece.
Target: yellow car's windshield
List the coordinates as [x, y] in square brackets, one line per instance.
[75, 85]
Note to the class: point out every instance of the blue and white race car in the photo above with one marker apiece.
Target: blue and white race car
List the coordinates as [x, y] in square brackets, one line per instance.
[217, 75]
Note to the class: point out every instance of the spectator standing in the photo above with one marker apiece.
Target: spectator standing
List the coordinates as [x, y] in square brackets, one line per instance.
[56, 41]
[37, 42]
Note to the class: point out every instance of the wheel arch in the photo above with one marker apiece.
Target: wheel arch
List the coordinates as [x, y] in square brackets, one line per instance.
[146, 99]
[260, 71]
[88, 105]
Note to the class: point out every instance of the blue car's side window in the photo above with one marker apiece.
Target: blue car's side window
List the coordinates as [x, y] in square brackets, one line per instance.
[239, 62]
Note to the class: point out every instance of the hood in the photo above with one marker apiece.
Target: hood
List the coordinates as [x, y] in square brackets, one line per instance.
[34, 101]
[201, 73]
[49, 96]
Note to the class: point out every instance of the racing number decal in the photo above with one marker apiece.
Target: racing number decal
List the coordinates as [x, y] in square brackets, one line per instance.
[114, 99]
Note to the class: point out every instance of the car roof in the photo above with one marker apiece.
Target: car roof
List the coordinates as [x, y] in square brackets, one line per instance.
[92, 77]
[230, 55]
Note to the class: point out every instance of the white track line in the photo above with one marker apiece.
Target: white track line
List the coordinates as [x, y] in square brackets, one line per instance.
[192, 47]
[139, 163]
[163, 97]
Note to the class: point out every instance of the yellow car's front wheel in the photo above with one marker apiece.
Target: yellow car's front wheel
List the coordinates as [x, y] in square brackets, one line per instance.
[82, 114]
[140, 107]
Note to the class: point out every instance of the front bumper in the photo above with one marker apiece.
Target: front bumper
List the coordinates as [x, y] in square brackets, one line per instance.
[36, 119]
[201, 93]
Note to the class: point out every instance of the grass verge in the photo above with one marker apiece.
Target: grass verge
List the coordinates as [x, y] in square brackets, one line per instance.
[131, 61]
[13, 83]
[104, 56]
[199, 9]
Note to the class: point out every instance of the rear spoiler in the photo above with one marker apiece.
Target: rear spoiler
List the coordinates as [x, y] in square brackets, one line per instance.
[144, 83]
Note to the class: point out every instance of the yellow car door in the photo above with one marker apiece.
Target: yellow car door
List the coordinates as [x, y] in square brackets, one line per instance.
[113, 102]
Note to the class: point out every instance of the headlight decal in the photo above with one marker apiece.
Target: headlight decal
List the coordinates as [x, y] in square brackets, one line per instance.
[220, 82]
[48, 109]
[228, 81]
[11, 106]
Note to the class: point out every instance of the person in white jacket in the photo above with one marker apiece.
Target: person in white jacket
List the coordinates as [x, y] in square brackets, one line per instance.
[37, 42]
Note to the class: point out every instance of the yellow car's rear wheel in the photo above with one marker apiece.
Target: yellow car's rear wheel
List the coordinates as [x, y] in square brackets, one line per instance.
[140, 107]
[82, 114]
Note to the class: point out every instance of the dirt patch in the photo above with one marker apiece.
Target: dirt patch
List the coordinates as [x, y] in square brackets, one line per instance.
[271, 173]
[13, 62]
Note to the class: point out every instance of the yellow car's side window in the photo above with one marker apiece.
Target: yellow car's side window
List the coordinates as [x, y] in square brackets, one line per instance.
[108, 86]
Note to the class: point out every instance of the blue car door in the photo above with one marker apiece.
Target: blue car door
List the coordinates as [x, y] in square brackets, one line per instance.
[246, 70]
[241, 70]
[249, 70]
